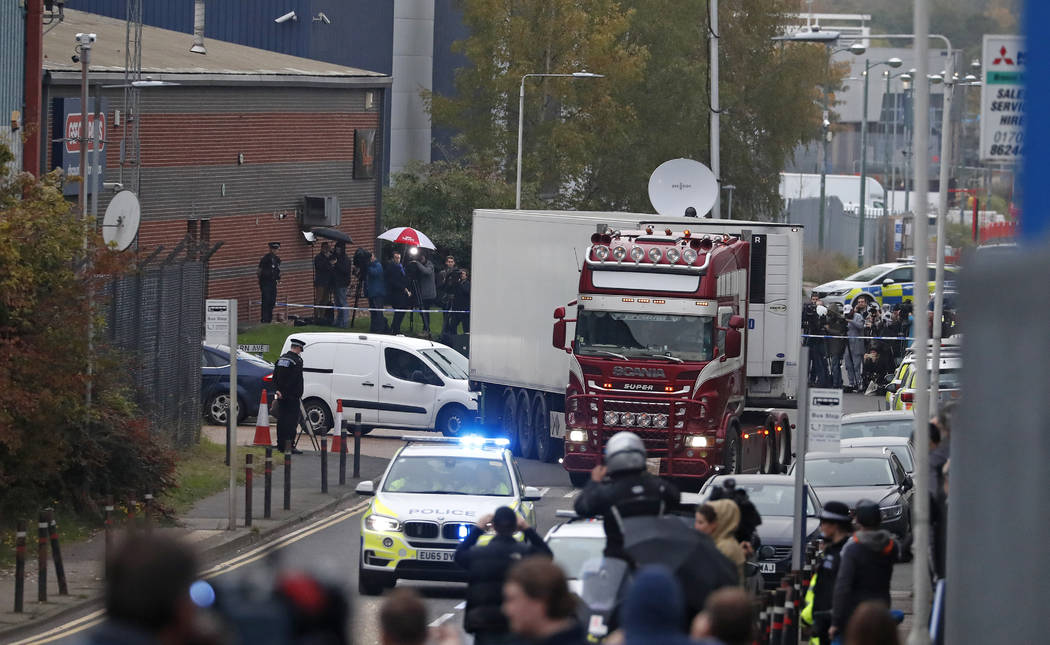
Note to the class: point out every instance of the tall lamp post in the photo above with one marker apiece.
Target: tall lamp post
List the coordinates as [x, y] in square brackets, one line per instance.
[868, 66]
[828, 39]
[521, 118]
[891, 151]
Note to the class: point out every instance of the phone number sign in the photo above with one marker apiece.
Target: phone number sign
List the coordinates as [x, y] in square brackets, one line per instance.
[1002, 98]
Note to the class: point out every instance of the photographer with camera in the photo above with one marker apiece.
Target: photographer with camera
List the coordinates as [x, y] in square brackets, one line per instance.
[814, 324]
[324, 284]
[444, 283]
[375, 289]
[341, 274]
[421, 272]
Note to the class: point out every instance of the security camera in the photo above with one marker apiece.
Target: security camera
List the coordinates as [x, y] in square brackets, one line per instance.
[85, 39]
[321, 17]
[286, 17]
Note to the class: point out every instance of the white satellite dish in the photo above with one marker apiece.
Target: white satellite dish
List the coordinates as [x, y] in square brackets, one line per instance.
[120, 224]
[679, 184]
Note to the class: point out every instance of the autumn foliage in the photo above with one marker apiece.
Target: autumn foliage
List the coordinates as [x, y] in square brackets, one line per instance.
[54, 447]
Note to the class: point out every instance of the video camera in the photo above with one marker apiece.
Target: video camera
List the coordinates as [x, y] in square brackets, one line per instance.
[749, 516]
[362, 258]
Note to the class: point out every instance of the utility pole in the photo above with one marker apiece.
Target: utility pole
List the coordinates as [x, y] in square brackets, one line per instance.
[84, 43]
[714, 107]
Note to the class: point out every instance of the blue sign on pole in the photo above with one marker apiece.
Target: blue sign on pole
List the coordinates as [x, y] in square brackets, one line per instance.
[68, 128]
[1035, 170]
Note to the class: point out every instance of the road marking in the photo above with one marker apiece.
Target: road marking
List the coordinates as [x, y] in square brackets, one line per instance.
[572, 493]
[96, 617]
[441, 620]
[461, 605]
[544, 491]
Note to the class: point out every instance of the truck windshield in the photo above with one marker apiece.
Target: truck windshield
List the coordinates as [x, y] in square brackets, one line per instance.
[644, 335]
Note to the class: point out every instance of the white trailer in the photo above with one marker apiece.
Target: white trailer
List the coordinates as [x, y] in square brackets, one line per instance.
[527, 263]
[799, 185]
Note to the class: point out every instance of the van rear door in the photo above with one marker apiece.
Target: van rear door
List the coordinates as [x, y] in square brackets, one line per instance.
[355, 379]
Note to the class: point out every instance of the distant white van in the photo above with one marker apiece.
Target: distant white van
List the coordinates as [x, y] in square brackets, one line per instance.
[391, 381]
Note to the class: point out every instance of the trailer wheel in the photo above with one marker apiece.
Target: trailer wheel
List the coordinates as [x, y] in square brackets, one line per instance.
[526, 428]
[731, 450]
[783, 441]
[769, 449]
[547, 447]
[510, 420]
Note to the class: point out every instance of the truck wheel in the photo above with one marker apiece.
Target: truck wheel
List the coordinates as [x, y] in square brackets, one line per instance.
[769, 450]
[783, 442]
[547, 447]
[510, 420]
[731, 450]
[526, 429]
[578, 479]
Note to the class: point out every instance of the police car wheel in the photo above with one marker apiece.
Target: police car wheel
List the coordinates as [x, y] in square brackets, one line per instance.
[371, 583]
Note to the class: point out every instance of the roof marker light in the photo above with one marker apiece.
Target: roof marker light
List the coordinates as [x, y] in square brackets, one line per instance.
[648, 230]
[687, 234]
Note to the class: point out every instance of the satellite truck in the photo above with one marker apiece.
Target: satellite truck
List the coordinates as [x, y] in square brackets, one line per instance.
[683, 330]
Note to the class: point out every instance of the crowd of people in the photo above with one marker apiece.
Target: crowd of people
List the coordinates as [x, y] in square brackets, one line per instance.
[404, 284]
[864, 341]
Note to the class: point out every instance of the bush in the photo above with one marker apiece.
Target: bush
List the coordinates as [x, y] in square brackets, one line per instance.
[54, 448]
[824, 266]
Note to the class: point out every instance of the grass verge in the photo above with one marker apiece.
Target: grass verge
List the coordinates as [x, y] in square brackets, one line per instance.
[202, 472]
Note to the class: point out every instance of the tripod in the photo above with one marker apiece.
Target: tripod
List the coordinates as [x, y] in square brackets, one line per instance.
[357, 295]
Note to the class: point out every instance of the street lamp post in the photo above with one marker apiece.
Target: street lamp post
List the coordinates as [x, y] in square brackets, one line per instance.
[868, 66]
[905, 83]
[521, 119]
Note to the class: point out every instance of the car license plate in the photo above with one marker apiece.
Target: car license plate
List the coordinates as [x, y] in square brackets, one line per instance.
[436, 556]
[767, 567]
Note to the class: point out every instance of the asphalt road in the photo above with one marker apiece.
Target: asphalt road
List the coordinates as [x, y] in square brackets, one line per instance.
[329, 548]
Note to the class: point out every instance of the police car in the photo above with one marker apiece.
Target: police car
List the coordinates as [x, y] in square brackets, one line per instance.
[433, 490]
[949, 384]
[886, 284]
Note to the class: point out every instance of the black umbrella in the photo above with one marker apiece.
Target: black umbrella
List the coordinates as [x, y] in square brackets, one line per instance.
[332, 234]
[693, 558]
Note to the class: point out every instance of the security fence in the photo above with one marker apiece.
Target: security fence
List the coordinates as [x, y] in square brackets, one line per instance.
[154, 316]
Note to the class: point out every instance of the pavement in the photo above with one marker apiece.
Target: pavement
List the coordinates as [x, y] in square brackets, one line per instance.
[321, 536]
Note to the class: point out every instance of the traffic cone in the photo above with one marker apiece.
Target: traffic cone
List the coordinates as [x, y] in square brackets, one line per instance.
[337, 440]
[262, 423]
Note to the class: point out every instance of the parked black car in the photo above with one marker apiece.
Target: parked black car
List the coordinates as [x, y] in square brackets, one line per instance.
[253, 374]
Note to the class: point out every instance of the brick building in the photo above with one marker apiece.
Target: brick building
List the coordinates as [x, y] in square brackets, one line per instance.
[230, 152]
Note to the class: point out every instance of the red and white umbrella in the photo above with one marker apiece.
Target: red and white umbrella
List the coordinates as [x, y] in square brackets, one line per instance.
[407, 235]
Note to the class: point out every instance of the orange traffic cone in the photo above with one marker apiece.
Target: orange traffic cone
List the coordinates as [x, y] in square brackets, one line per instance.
[262, 423]
[337, 440]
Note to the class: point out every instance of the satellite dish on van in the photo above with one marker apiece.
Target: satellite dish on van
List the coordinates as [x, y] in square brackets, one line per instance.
[120, 224]
[679, 184]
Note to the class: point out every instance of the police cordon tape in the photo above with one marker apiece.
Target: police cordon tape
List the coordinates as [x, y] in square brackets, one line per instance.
[391, 310]
[863, 337]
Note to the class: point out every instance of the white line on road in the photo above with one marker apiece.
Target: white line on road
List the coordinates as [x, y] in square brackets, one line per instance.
[572, 493]
[461, 605]
[94, 618]
[544, 491]
[440, 620]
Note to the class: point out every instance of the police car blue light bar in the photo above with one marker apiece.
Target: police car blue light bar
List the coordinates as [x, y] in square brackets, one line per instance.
[472, 441]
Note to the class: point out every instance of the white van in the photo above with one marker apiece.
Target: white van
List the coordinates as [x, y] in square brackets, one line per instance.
[392, 381]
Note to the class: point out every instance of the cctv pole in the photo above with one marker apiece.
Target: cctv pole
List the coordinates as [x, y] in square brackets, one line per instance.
[824, 131]
[231, 419]
[863, 165]
[942, 217]
[715, 161]
[85, 41]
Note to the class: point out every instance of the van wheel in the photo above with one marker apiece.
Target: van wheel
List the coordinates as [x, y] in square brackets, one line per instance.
[547, 447]
[318, 414]
[510, 420]
[451, 420]
[526, 428]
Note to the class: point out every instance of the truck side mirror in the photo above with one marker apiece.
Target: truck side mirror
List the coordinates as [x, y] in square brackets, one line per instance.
[558, 338]
[736, 322]
[559, 313]
[733, 339]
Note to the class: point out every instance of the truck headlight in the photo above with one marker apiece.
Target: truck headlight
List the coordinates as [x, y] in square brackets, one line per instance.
[695, 441]
[655, 255]
[644, 419]
[612, 418]
[673, 255]
[577, 436]
[628, 418]
[382, 523]
[659, 420]
[601, 252]
[689, 256]
[619, 253]
[637, 254]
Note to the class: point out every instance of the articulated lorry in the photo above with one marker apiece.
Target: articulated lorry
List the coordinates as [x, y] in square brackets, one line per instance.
[586, 324]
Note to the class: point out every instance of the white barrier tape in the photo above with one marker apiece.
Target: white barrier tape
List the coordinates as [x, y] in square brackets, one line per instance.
[862, 337]
[432, 311]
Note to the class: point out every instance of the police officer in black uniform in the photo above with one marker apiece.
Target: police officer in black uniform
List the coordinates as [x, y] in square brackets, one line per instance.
[269, 274]
[836, 526]
[288, 383]
[622, 488]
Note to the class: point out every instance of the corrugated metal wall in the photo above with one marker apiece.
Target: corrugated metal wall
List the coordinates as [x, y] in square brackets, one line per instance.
[12, 71]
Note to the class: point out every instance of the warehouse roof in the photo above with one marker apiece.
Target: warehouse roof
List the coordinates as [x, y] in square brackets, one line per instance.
[166, 56]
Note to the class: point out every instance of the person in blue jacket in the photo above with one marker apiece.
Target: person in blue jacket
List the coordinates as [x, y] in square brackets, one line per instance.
[375, 289]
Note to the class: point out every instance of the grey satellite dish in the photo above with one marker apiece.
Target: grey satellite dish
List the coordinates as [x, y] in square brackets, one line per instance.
[680, 184]
[120, 224]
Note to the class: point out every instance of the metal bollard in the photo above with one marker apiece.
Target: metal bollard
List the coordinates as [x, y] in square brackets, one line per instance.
[790, 636]
[56, 553]
[248, 489]
[762, 603]
[20, 565]
[357, 445]
[288, 475]
[109, 525]
[324, 465]
[267, 482]
[342, 457]
[776, 631]
[147, 513]
[41, 557]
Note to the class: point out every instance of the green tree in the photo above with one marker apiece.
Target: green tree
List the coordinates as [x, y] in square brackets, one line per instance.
[593, 144]
[439, 198]
[53, 449]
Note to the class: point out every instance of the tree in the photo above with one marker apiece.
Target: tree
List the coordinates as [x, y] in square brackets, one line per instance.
[596, 142]
[52, 447]
[439, 198]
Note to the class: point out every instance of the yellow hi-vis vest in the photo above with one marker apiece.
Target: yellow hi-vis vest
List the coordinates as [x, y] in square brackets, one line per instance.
[807, 610]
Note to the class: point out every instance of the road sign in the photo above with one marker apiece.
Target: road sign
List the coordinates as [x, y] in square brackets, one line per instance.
[217, 321]
[824, 412]
[254, 349]
[1002, 99]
